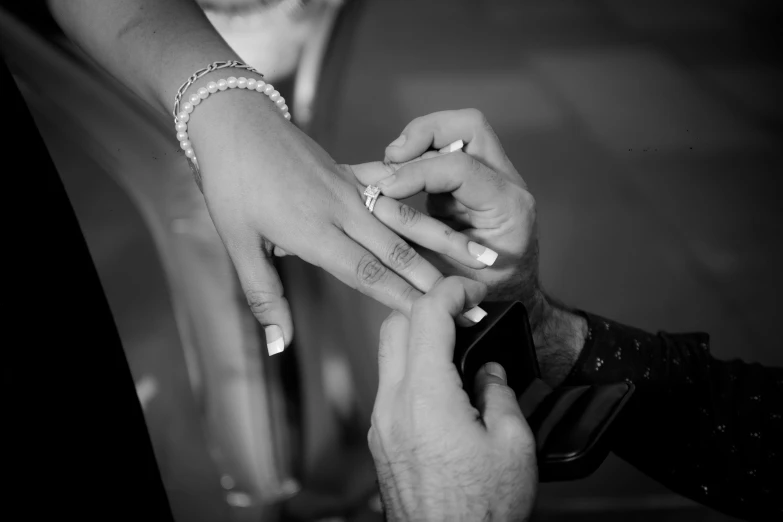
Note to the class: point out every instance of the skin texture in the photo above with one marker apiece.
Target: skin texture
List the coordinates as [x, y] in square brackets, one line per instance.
[437, 456]
[475, 194]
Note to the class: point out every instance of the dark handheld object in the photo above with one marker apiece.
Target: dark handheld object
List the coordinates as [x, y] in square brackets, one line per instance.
[571, 423]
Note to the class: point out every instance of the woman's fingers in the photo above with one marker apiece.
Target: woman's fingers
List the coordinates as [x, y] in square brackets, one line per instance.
[432, 234]
[358, 268]
[440, 129]
[391, 250]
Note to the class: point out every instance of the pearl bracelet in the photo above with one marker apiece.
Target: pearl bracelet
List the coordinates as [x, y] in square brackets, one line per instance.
[183, 116]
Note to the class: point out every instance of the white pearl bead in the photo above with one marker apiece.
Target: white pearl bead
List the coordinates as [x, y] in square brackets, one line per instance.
[187, 107]
[212, 87]
[280, 101]
[283, 108]
[260, 85]
[274, 96]
[242, 82]
[203, 93]
[222, 84]
[182, 136]
[232, 82]
[185, 145]
[183, 117]
[287, 115]
[268, 88]
[181, 126]
[251, 84]
[195, 99]
[190, 154]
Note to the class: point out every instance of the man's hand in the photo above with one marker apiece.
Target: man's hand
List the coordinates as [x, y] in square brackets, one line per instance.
[476, 200]
[437, 456]
[474, 197]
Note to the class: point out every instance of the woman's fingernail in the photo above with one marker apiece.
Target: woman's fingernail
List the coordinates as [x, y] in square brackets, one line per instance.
[274, 339]
[482, 254]
[496, 370]
[387, 182]
[475, 314]
[451, 147]
[399, 142]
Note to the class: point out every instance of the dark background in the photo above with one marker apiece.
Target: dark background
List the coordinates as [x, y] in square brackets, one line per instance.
[649, 132]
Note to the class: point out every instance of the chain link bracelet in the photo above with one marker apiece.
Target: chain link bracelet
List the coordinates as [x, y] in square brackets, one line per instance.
[182, 110]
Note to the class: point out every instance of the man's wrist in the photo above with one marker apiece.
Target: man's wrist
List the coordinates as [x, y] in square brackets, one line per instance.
[559, 335]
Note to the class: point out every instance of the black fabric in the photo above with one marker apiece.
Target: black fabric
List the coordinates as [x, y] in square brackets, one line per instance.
[708, 429]
[78, 440]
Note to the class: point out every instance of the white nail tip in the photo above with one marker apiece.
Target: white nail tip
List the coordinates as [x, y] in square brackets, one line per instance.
[457, 145]
[275, 346]
[488, 257]
[475, 314]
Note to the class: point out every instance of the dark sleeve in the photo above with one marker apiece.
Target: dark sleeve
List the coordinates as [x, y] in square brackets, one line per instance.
[708, 429]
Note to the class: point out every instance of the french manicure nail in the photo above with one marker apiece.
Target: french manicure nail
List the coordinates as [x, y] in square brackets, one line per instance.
[475, 314]
[482, 254]
[274, 339]
[451, 147]
[496, 370]
[399, 142]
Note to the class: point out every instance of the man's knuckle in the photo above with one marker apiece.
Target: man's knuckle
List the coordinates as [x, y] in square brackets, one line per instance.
[474, 166]
[370, 271]
[476, 116]
[498, 389]
[528, 201]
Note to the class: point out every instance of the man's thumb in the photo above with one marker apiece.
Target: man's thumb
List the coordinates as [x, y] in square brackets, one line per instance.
[497, 403]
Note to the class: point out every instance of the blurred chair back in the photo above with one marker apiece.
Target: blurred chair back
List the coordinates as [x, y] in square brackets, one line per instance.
[239, 390]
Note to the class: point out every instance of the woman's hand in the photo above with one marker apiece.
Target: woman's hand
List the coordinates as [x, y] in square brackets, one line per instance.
[437, 456]
[268, 185]
[476, 200]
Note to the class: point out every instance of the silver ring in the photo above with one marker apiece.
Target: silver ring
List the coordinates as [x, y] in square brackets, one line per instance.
[372, 193]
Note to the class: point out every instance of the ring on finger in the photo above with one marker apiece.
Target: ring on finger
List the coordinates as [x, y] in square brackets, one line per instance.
[371, 193]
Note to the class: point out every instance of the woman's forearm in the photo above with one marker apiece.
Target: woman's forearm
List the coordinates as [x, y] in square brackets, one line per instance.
[152, 46]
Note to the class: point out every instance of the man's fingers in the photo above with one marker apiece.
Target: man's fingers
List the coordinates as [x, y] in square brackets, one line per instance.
[432, 329]
[497, 403]
[439, 129]
[264, 293]
[470, 182]
[435, 131]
